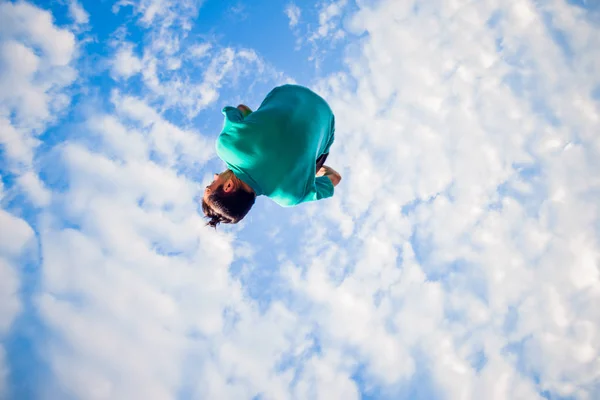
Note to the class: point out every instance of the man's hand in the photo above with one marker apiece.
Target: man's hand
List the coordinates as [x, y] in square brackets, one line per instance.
[245, 110]
[332, 174]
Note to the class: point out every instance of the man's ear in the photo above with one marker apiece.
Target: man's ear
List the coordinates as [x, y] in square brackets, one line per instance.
[228, 185]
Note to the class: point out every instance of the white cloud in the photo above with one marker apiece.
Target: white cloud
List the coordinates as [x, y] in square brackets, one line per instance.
[177, 71]
[293, 13]
[195, 92]
[3, 372]
[35, 57]
[327, 377]
[167, 141]
[10, 305]
[459, 253]
[324, 35]
[133, 184]
[125, 64]
[130, 213]
[160, 11]
[432, 125]
[78, 13]
[37, 30]
[15, 237]
[200, 50]
[329, 20]
[115, 265]
[36, 190]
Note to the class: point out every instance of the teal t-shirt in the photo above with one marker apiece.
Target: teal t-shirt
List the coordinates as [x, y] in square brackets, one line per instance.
[274, 149]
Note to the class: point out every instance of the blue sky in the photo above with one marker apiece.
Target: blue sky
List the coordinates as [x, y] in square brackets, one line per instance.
[458, 259]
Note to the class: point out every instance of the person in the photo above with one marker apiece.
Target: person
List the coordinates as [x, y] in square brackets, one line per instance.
[277, 151]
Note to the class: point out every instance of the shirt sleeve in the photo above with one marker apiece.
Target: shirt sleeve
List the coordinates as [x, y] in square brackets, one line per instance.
[322, 189]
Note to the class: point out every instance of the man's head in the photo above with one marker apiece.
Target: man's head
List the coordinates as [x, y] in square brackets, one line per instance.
[227, 199]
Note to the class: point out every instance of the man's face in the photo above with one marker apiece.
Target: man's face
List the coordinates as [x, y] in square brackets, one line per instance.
[224, 179]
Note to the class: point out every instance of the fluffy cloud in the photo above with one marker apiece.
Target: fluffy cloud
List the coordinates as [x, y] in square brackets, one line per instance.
[78, 13]
[125, 64]
[293, 13]
[15, 235]
[329, 18]
[458, 259]
[35, 70]
[126, 233]
[140, 241]
[15, 238]
[35, 57]
[31, 184]
[181, 73]
[467, 135]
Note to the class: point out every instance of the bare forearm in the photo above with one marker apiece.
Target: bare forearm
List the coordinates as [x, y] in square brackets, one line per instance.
[332, 174]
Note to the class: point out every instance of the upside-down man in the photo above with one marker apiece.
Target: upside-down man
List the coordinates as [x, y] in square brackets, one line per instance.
[276, 151]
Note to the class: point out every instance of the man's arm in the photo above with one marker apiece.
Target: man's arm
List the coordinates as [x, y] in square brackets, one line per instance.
[332, 174]
[325, 181]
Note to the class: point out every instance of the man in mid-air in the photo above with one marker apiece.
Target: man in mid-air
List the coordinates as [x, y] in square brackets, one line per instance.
[276, 151]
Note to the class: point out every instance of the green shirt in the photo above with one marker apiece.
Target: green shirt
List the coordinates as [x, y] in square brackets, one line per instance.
[274, 149]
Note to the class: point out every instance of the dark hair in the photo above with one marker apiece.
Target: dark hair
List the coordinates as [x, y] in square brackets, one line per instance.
[227, 208]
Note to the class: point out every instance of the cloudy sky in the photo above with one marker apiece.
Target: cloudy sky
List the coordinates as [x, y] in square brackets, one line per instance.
[458, 259]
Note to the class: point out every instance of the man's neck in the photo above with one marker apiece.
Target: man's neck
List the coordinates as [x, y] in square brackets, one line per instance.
[244, 185]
